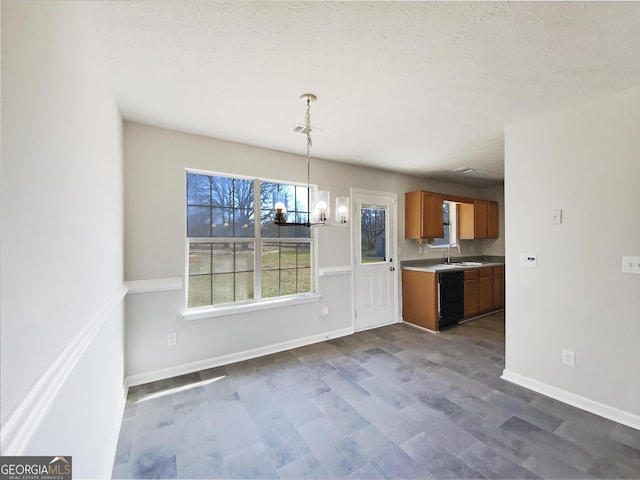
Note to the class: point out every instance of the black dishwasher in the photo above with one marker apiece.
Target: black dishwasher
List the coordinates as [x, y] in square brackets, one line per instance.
[451, 288]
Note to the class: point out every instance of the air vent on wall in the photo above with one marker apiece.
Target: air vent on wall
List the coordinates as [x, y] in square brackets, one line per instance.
[464, 170]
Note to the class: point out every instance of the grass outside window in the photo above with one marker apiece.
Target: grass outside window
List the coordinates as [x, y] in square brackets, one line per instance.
[236, 254]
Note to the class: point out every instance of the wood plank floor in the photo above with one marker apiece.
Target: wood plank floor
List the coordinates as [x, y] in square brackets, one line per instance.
[394, 402]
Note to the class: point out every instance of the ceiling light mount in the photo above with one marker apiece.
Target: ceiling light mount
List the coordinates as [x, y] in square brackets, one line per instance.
[309, 97]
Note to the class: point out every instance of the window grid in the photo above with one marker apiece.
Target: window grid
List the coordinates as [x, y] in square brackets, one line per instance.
[291, 269]
[237, 286]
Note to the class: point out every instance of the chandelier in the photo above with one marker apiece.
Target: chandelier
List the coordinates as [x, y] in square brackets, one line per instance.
[321, 211]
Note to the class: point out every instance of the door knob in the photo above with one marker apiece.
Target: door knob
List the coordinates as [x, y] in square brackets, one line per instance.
[391, 269]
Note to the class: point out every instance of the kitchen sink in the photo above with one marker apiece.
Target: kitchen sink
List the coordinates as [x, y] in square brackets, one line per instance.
[460, 264]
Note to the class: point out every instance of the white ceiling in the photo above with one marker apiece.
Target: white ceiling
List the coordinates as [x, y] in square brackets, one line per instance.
[414, 87]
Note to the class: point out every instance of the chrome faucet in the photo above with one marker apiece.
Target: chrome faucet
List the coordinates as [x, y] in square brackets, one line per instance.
[453, 244]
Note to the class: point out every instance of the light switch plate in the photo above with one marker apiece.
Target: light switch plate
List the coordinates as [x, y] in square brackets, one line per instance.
[556, 216]
[528, 260]
[631, 265]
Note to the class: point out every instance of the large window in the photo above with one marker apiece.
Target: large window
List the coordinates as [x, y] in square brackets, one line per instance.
[236, 253]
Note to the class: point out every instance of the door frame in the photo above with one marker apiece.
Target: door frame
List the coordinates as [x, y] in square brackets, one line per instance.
[393, 224]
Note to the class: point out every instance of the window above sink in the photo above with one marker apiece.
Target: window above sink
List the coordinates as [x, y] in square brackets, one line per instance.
[449, 221]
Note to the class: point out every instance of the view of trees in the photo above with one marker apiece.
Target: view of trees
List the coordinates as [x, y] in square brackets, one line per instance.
[372, 234]
[221, 270]
[224, 207]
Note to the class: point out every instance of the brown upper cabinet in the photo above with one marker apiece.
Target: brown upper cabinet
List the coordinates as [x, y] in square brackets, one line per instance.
[493, 228]
[479, 219]
[423, 215]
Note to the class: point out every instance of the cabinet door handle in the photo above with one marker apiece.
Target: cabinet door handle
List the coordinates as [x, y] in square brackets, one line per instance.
[392, 269]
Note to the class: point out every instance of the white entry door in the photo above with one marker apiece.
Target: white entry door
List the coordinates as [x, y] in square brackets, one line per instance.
[375, 275]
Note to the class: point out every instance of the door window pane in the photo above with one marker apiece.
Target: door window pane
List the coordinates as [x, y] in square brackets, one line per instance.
[373, 230]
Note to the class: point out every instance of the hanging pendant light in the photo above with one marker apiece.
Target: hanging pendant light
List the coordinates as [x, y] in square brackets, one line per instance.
[320, 213]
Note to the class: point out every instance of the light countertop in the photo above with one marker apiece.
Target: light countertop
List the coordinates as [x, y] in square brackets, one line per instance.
[442, 267]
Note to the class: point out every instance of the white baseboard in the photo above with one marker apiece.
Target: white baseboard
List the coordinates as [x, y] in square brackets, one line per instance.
[183, 369]
[24, 421]
[620, 416]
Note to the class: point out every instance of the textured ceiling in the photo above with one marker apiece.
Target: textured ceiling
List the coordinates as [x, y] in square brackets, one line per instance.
[414, 87]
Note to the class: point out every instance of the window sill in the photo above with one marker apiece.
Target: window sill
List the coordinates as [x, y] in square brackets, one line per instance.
[211, 312]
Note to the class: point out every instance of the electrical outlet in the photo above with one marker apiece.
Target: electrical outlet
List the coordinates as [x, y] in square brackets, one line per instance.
[568, 358]
[172, 339]
[631, 265]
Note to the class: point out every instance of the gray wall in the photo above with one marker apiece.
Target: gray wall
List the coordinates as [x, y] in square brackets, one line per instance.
[155, 162]
[62, 289]
[586, 161]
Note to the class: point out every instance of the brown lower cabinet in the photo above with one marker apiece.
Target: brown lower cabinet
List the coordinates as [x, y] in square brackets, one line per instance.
[483, 293]
[485, 290]
[498, 288]
[420, 298]
[470, 293]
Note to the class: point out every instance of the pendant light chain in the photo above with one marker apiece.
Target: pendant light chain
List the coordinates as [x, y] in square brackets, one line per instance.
[308, 125]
